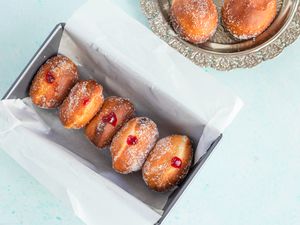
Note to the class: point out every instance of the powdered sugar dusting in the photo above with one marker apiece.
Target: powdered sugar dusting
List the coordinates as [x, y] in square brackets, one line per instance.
[53, 81]
[147, 133]
[118, 103]
[194, 20]
[77, 93]
[82, 104]
[122, 110]
[161, 149]
[236, 13]
[158, 172]
[196, 8]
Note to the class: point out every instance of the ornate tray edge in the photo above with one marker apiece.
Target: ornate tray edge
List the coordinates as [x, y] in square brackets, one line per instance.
[219, 61]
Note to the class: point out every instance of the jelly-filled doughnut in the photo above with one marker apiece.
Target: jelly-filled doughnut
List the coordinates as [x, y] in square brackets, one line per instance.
[168, 162]
[82, 104]
[115, 112]
[246, 19]
[194, 20]
[53, 82]
[132, 144]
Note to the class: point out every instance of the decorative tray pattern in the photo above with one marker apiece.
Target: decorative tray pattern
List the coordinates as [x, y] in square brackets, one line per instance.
[222, 51]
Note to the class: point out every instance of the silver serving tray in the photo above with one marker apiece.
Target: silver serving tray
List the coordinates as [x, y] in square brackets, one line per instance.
[222, 51]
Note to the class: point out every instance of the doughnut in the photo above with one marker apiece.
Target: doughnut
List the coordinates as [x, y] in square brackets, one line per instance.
[168, 163]
[115, 112]
[194, 20]
[82, 104]
[132, 144]
[246, 19]
[53, 82]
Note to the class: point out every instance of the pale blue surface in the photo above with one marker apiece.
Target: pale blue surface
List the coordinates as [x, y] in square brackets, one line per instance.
[253, 177]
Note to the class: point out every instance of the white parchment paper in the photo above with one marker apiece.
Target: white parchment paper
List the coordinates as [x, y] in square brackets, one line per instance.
[130, 61]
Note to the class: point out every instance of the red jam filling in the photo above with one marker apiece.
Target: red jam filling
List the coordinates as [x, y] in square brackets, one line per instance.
[50, 78]
[176, 162]
[132, 140]
[110, 118]
[86, 101]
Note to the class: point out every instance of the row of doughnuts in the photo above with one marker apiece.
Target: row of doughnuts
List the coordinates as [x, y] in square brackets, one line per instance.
[196, 20]
[133, 141]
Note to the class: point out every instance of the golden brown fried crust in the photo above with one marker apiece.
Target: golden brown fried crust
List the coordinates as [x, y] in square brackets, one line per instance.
[246, 19]
[129, 158]
[99, 131]
[194, 20]
[82, 104]
[53, 82]
[159, 172]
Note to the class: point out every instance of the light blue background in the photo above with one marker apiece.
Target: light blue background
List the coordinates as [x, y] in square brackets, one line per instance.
[253, 177]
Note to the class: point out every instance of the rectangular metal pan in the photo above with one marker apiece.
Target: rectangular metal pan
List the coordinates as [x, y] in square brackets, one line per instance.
[19, 89]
